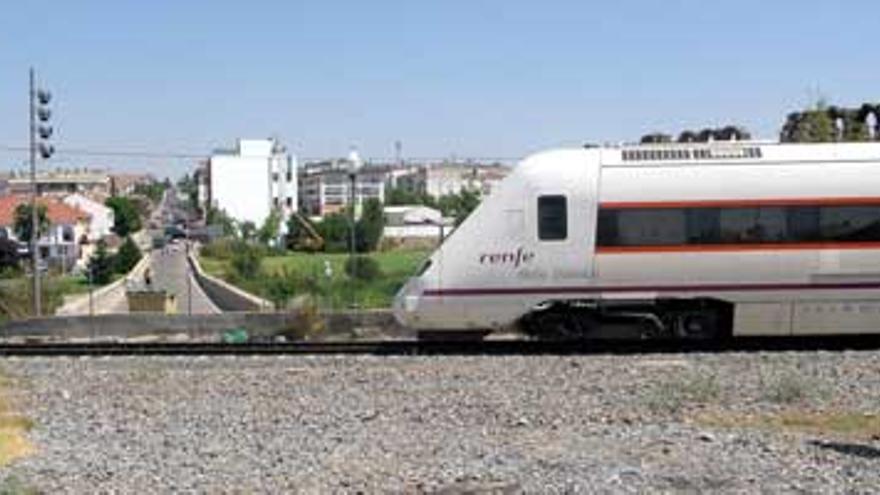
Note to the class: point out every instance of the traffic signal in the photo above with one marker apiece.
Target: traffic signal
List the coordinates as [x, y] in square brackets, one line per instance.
[44, 130]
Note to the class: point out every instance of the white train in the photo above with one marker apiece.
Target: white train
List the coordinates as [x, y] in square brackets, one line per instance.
[674, 240]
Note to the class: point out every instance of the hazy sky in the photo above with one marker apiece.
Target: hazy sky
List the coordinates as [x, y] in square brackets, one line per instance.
[469, 78]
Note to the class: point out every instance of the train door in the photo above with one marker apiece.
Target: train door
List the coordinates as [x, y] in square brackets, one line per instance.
[564, 224]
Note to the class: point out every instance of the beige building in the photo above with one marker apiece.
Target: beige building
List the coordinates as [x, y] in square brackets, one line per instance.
[62, 182]
[451, 178]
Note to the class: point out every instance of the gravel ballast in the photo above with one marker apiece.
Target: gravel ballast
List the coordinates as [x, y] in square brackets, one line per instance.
[584, 424]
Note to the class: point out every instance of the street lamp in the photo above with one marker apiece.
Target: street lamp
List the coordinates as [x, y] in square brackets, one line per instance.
[354, 163]
[40, 132]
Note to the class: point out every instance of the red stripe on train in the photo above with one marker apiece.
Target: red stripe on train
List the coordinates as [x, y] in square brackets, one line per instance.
[496, 291]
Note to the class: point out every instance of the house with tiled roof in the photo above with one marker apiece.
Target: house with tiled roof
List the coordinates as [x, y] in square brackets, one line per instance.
[68, 229]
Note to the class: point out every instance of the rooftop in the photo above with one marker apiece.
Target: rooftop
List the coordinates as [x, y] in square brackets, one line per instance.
[57, 211]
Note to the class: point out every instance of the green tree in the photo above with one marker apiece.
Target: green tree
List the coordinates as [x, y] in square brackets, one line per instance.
[22, 223]
[216, 216]
[100, 267]
[127, 220]
[129, 254]
[402, 196]
[467, 203]
[248, 230]
[459, 205]
[855, 129]
[153, 190]
[815, 125]
[370, 226]
[271, 228]
[334, 228]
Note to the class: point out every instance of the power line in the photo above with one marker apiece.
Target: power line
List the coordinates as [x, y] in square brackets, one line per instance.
[199, 156]
[120, 153]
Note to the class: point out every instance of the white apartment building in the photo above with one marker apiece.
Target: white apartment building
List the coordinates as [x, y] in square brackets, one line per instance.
[326, 187]
[100, 217]
[252, 179]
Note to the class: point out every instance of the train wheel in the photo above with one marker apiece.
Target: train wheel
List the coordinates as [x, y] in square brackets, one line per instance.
[560, 323]
[701, 324]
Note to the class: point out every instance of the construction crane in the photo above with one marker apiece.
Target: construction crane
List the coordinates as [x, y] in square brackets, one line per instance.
[307, 238]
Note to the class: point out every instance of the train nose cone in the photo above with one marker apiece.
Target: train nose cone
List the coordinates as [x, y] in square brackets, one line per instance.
[406, 302]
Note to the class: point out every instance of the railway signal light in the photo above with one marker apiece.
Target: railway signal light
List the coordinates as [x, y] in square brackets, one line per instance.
[44, 130]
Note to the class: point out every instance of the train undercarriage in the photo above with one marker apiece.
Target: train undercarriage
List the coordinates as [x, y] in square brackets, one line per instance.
[630, 319]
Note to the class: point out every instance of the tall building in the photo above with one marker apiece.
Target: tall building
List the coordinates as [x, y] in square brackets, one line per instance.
[249, 181]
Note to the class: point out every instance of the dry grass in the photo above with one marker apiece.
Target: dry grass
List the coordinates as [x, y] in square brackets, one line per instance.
[680, 392]
[13, 426]
[848, 425]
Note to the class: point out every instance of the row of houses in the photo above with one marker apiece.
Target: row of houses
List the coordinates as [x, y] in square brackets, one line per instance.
[75, 210]
[257, 176]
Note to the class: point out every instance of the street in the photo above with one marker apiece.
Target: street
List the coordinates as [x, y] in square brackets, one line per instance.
[169, 271]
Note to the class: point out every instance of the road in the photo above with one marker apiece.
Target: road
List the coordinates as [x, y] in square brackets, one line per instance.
[170, 271]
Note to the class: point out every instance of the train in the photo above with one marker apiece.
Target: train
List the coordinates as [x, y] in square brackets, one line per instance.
[666, 240]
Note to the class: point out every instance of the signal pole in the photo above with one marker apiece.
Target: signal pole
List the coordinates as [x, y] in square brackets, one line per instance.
[35, 255]
[39, 111]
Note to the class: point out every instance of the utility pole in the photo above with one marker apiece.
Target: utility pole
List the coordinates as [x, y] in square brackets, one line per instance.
[38, 110]
[35, 256]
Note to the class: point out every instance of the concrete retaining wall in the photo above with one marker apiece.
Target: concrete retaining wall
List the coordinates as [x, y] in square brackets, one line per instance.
[226, 296]
[196, 327]
[101, 297]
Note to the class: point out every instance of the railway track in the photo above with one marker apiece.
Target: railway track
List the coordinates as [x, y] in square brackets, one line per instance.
[414, 347]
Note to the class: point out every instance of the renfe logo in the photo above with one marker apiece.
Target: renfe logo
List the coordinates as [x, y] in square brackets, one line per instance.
[516, 258]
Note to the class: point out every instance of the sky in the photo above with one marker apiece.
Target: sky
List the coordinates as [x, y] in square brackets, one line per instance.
[446, 78]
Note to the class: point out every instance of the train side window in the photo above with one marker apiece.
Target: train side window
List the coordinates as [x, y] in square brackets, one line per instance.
[850, 223]
[651, 227]
[753, 225]
[802, 223]
[607, 228]
[552, 218]
[703, 225]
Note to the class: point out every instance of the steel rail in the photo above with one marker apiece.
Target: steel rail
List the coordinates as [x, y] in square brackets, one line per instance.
[466, 348]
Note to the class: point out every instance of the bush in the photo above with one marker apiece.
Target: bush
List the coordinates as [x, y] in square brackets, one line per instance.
[221, 249]
[16, 298]
[246, 261]
[8, 255]
[281, 287]
[362, 268]
[336, 231]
